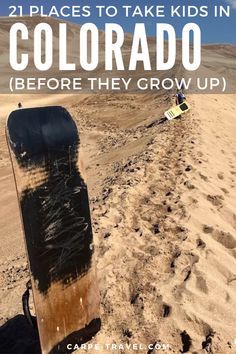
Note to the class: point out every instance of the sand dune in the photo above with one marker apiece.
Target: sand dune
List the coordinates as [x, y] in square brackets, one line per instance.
[217, 60]
[164, 217]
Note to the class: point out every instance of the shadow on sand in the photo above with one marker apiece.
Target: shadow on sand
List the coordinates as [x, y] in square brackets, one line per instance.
[18, 337]
[156, 122]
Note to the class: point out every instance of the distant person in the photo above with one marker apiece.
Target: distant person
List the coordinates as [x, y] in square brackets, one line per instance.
[19, 105]
[179, 97]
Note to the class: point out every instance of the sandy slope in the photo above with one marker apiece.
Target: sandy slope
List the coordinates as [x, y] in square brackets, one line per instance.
[164, 219]
[167, 267]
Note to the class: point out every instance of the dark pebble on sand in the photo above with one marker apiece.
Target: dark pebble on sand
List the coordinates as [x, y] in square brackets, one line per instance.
[188, 168]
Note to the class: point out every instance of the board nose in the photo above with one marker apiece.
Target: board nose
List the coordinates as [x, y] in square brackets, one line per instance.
[36, 130]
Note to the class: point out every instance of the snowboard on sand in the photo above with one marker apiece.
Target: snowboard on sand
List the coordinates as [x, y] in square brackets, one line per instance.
[53, 200]
[176, 111]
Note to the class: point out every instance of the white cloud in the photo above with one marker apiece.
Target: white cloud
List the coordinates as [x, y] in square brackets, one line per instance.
[232, 3]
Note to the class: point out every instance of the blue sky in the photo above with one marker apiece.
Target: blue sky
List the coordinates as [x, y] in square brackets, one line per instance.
[214, 30]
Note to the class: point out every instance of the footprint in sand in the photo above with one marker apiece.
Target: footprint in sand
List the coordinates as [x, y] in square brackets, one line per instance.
[166, 310]
[200, 154]
[205, 178]
[201, 282]
[207, 229]
[225, 190]
[193, 201]
[200, 243]
[176, 255]
[183, 263]
[225, 238]
[187, 273]
[216, 200]
[189, 185]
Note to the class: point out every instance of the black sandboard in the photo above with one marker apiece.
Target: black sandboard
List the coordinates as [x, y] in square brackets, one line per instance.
[44, 147]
